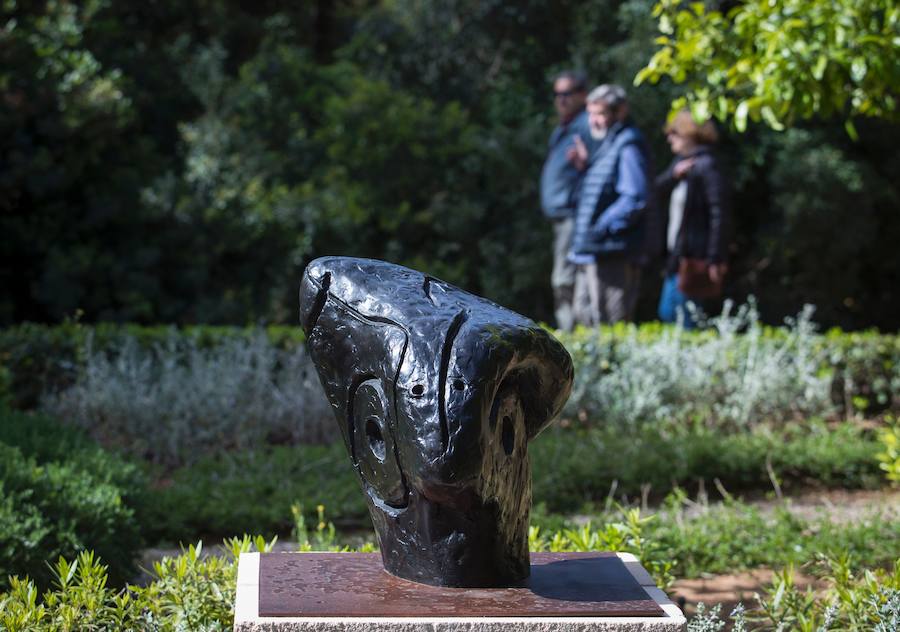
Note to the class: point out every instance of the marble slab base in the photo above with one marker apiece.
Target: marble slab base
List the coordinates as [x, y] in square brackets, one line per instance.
[350, 592]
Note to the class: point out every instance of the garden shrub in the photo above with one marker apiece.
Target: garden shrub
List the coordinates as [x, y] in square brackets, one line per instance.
[188, 592]
[574, 466]
[851, 602]
[58, 509]
[178, 399]
[43, 359]
[889, 457]
[697, 537]
[47, 440]
[732, 537]
[866, 370]
[196, 592]
[253, 491]
[226, 387]
[732, 376]
[60, 493]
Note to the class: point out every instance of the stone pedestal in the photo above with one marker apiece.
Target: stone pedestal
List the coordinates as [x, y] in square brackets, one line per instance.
[351, 592]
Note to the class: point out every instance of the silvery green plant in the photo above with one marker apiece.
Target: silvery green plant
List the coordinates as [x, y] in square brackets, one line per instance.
[730, 375]
[887, 604]
[706, 620]
[175, 401]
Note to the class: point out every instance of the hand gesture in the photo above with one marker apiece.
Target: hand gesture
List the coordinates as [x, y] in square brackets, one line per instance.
[578, 154]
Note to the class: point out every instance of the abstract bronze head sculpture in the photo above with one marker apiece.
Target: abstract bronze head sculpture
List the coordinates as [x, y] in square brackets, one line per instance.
[437, 393]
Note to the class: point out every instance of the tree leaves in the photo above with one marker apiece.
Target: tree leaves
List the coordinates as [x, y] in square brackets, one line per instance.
[778, 62]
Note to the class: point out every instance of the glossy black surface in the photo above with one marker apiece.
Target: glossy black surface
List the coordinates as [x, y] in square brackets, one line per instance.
[437, 393]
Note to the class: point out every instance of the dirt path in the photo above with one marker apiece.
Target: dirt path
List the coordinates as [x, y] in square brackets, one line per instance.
[836, 506]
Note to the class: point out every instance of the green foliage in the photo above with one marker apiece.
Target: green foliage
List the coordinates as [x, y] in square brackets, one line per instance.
[60, 508]
[889, 458]
[194, 591]
[187, 592]
[697, 538]
[780, 61]
[840, 191]
[173, 165]
[573, 467]
[625, 374]
[210, 497]
[321, 538]
[570, 468]
[627, 535]
[59, 493]
[734, 537]
[177, 400]
[868, 601]
[41, 359]
[47, 440]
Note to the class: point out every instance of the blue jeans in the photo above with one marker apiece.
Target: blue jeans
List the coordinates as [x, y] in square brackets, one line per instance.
[672, 301]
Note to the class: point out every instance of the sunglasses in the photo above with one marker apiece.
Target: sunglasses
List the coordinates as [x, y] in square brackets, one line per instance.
[565, 94]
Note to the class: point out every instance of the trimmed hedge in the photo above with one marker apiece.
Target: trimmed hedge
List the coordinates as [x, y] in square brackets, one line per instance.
[60, 494]
[864, 367]
[45, 358]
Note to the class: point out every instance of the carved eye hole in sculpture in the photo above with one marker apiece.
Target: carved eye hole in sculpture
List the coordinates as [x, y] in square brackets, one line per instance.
[508, 435]
[508, 420]
[373, 444]
[418, 390]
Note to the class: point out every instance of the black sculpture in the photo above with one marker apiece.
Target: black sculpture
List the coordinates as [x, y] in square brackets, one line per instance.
[437, 393]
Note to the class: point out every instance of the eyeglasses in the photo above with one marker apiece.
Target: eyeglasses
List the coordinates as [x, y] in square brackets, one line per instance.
[565, 94]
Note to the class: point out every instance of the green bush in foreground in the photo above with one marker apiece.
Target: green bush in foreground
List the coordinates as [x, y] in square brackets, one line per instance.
[188, 592]
[194, 592]
[869, 602]
[59, 494]
[59, 509]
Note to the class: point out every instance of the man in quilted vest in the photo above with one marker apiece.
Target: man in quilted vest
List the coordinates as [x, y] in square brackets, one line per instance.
[609, 237]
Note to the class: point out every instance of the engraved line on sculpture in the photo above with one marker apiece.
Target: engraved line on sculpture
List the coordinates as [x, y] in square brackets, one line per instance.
[321, 298]
[359, 380]
[452, 332]
[426, 286]
[372, 318]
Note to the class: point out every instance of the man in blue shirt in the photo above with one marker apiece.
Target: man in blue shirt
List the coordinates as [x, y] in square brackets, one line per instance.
[560, 184]
[609, 236]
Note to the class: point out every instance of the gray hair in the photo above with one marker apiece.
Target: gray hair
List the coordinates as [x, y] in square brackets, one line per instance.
[577, 77]
[612, 95]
